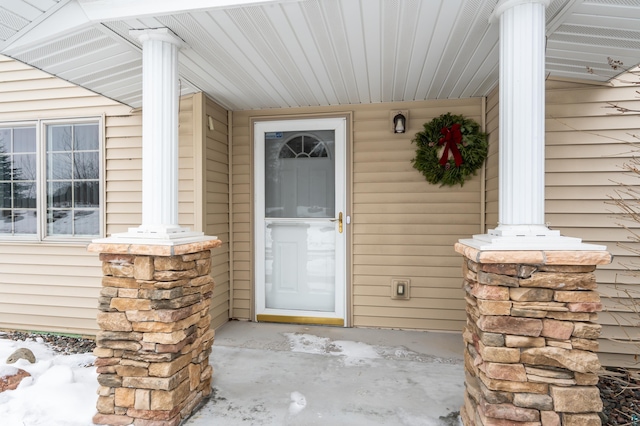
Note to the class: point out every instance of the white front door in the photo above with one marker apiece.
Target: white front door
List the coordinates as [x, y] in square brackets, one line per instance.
[300, 220]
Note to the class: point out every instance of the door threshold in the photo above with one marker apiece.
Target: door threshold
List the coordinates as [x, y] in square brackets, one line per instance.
[300, 320]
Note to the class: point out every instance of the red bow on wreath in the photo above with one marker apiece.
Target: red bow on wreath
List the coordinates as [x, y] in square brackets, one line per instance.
[452, 136]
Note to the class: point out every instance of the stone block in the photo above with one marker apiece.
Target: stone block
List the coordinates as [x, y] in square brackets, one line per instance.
[510, 412]
[533, 400]
[111, 420]
[584, 307]
[574, 360]
[494, 397]
[555, 329]
[487, 278]
[109, 292]
[127, 304]
[104, 391]
[159, 275]
[489, 292]
[131, 371]
[167, 400]
[512, 341]
[513, 372]
[131, 293]
[119, 282]
[500, 268]
[142, 399]
[560, 281]
[105, 404]
[577, 296]
[528, 294]
[194, 376]
[541, 306]
[110, 380]
[569, 316]
[494, 307]
[509, 386]
[584, 330]
[564, 344]
[125, 397]
[143, 268]
[550, 418]
[203, 266]
[550, 380]
[117, 269]
[111, 369]
[161, 315]
[528, 313]
[113, 321]
[581, 420]
[176, 303]
[585, 344]
[491, 339]
[167, 369]
[586, 379]
[558, 373]
[510, 325]
[171, 338]
[156, 383]
[172, 263]
[576, 399]
[102, 352]
[164, 285]
[155, 294]
[499, 354]
[166, 327]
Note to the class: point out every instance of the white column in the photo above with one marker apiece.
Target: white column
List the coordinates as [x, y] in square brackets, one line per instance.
[160, 102]
[159, 130]
[522, 134]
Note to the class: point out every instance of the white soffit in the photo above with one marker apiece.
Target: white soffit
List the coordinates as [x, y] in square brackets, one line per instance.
[251, 54]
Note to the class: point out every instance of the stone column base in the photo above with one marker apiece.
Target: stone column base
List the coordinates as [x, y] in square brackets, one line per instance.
[531, 337]
[155, 339]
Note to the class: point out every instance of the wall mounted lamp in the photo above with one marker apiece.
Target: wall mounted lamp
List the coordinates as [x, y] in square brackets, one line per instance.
[399, 121]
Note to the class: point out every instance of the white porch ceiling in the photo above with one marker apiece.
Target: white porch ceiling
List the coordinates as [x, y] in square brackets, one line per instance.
[251, 54]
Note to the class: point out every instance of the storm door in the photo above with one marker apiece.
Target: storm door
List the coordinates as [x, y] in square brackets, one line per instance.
[299, 220]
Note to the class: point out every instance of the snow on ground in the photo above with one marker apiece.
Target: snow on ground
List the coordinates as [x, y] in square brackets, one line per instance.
[60, 392]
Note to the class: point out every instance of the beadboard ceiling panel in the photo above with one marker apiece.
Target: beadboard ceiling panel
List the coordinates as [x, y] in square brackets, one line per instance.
[251, 54]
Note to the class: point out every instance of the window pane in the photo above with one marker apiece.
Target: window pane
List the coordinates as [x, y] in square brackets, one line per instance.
[5, 221]
[59, 222]
[86, 194]
[73, 172]
[59, 166]
[5, 140]
[59, 138]
[86, 165]
[59, 194]
[87, 222]
[6, 166]
[25, 221]
[24, 195]
[5, 190]
[86, 136]
[24, 167]
[24, 139]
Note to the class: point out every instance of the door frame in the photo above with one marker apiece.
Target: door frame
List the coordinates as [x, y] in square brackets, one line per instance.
[341, 123]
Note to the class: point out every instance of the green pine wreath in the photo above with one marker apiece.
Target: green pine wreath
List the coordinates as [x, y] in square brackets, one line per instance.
[450, 149]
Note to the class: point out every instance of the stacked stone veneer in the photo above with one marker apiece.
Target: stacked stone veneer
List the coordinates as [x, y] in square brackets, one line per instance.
[531, 338]
[155, 339]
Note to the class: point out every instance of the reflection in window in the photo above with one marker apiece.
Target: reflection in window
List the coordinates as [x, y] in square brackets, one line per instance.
[304, 146]
[73, 185]
[18, 176]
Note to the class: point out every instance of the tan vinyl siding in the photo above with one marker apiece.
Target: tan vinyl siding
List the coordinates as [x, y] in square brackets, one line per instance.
[47, 286]
[54, 287]
[216, 196]
[402, 226]
[492, 166]
[586, 145]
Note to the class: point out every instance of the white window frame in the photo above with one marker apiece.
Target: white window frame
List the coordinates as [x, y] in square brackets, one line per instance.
[41, 180]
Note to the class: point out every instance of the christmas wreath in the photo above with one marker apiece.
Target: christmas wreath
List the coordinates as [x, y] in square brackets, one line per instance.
[450, 149]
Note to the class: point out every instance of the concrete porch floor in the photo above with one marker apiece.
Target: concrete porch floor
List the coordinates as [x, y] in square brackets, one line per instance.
[282, 374]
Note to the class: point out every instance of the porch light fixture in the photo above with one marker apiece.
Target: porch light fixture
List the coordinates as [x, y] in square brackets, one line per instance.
[399, 121]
